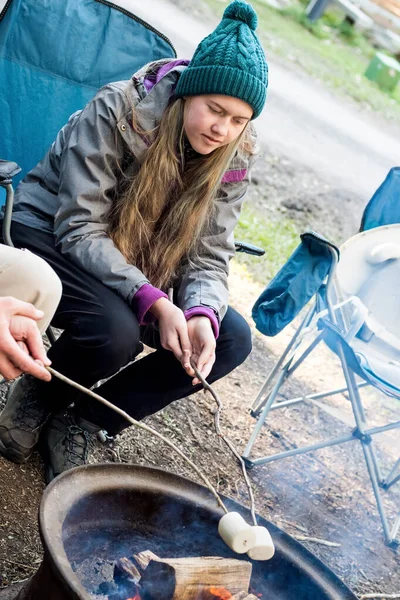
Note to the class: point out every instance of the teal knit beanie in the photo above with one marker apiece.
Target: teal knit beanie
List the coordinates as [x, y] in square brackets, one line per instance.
[230, 61]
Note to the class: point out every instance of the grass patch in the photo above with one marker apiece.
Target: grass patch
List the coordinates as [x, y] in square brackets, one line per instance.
[278, 236]
[327, 50]
[297, 14]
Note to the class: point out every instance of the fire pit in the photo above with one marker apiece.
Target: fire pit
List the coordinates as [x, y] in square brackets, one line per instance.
[94, 515]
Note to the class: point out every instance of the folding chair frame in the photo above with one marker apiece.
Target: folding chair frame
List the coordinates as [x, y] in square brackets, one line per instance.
[266, 401]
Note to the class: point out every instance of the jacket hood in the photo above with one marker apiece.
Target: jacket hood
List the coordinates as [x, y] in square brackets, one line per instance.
[155, 83]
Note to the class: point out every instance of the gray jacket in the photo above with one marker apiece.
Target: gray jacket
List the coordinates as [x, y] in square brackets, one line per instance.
[70, 192]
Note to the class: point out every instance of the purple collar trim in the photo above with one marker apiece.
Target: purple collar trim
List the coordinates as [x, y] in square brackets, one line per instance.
[234, 176]
[153, 78]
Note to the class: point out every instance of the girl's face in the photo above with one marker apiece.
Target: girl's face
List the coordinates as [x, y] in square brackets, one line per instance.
[213, 120]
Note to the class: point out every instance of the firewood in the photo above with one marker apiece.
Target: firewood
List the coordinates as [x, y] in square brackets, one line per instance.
[142, 559]
[190, 578]
[125, 569]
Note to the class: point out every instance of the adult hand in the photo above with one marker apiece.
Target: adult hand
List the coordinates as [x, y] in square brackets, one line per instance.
[173, 330]
[21, 345]
[203, 343]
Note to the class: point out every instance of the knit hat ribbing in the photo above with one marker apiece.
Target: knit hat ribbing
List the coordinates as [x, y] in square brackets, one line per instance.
[230, 61]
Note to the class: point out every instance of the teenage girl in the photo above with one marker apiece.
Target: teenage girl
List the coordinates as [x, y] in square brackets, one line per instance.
[139, 194]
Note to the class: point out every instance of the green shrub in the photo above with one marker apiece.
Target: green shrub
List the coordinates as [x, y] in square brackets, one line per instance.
[296, 13]
[348, 32]
[332, 18]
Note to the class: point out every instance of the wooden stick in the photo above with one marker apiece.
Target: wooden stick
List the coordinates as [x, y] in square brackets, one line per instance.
[154, 432]
[304, 538]
[227, 441]
[19, 564]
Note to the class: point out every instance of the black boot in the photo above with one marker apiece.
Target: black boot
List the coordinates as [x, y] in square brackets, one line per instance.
[21, 420]
[65, 444]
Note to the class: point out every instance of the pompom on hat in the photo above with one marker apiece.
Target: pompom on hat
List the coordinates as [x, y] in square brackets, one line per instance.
[229, 61]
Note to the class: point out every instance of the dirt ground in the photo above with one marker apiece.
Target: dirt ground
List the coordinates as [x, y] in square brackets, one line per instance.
[324, 495]
[282, 187]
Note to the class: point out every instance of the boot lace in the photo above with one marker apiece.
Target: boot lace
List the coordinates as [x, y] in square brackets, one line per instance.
[31, 414]
[78, 444]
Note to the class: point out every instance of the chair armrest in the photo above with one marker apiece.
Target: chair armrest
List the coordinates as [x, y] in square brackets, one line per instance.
[8, 170]
[383, 253]
[249, 249]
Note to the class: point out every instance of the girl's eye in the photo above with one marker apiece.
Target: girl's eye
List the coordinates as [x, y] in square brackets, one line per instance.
[214, 110]
[238, 122]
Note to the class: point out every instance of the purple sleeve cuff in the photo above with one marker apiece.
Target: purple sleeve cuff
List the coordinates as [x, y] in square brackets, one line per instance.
[203, 311]
[143, 301]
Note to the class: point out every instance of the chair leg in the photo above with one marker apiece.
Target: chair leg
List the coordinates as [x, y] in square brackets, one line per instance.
[358, 409]
[263, 416]
[285, 373]
[393, 477]
[368, 450]
[262, 396]
[389, 535]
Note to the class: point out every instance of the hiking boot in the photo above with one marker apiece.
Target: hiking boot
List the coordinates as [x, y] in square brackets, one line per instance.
[21, 420]
[66, 444]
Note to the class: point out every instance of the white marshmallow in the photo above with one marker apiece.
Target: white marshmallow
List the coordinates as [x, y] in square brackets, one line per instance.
[236, 533]
[263, 548]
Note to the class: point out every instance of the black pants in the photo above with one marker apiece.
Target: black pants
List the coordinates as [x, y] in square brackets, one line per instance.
[102, 335]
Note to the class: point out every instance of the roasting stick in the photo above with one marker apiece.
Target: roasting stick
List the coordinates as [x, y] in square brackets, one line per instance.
[227, 441]
[207, 387]
[232, 528]
[141, 426]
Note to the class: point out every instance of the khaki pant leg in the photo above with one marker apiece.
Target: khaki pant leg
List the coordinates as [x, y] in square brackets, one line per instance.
[27, 277]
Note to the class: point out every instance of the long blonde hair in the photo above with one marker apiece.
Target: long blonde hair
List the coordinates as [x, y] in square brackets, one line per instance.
[164, 208]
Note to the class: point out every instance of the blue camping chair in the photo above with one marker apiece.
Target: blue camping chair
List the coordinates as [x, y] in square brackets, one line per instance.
[53, 59]
[355, 311]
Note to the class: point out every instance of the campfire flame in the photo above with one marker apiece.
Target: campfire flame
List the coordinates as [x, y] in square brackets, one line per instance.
[217, 593]
[220, 593]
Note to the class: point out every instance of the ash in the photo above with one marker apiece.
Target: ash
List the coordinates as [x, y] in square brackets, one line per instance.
[97, 577]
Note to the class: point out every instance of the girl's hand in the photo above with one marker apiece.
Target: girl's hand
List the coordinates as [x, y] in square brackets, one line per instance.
[173, 330]
[203, 344]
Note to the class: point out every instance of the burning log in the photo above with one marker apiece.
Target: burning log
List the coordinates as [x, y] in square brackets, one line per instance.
[193, 578]
[125, 569]
[126, 578]
[143, 558]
